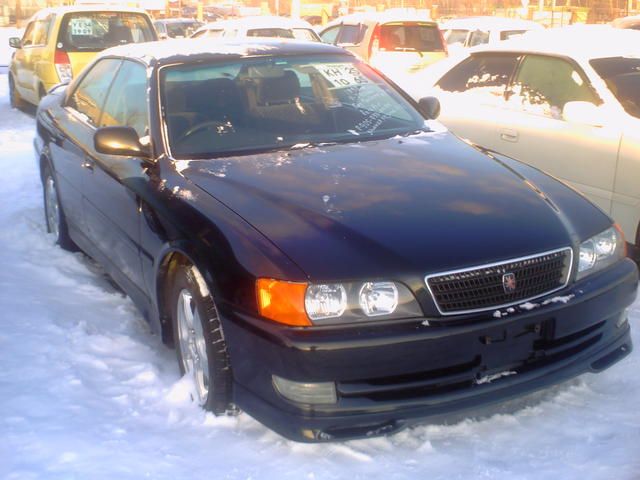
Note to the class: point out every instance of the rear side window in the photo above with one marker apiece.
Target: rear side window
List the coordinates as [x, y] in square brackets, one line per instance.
[305, 34]
[488, 73]
[420, 37]
[127, 102]
[351, 34]
[95, 31]
[543, 85]
[623, 79]
[89, 95]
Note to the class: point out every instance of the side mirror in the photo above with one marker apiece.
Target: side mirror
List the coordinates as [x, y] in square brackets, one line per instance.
[585, 113]
[121, 141]
[429, 107]
[15, 42]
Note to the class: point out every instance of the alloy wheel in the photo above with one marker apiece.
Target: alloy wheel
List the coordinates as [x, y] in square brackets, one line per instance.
[193, 346]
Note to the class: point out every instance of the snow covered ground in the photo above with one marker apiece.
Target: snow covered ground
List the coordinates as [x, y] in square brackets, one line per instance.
[5, 49]
[86, 392]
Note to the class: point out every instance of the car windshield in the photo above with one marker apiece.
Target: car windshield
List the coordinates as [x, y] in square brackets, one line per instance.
[622, 76]
[181, 29]
[273, 103]
[402, 36]
[95, 31]
[270, 32]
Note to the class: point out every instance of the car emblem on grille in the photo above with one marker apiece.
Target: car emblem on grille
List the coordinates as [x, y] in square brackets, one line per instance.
[509, 282]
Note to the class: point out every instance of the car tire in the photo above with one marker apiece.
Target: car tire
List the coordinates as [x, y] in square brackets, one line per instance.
[199, 340]
[15, 99]
[54, 216]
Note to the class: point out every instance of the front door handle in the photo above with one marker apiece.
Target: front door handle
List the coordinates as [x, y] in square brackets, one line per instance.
[509, 135]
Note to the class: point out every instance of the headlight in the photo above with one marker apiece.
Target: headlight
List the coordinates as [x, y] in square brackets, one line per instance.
[600, 251]
[304, 305]
[358, 301]
[325, 301]
[378, 298]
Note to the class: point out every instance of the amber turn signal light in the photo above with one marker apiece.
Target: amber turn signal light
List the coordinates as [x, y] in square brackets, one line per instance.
[282, 302]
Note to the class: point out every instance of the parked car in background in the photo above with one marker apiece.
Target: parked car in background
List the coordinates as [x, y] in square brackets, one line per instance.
[632, 22]
[398, 44]
[565, 100]
[472, 31]
[319, 253]
[176, 27]
[263, 26]
[58, 43]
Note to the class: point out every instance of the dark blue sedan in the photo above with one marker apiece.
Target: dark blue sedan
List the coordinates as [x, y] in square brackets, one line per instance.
[319, 254]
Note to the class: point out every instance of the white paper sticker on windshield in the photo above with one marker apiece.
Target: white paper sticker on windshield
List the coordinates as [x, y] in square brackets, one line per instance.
[341, 74]
[81, 26]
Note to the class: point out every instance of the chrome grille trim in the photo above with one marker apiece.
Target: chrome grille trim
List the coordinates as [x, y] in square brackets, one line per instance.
[497, 264]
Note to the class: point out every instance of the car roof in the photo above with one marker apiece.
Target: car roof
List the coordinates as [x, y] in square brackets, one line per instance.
[581, 42]
[381, 17]
[264, 21]
[86, 8]
[198, 49]
[472, 23]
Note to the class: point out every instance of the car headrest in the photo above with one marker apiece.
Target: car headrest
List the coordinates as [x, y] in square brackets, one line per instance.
[278, 90]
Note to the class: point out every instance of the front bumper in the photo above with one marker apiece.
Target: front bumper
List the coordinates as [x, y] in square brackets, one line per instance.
[394, 374]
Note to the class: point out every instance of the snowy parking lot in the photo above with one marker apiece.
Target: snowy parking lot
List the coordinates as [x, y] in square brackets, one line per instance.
[87, 392]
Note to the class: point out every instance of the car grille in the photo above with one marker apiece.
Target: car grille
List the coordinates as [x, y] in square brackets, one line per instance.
[501, 284]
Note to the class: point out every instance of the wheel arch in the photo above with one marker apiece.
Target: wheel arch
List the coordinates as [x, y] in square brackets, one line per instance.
[174, 255]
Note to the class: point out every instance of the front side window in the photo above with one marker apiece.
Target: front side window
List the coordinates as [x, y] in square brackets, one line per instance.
[27, 38]
[95, 31]
[622, 76]
[126, 105]
[267, 104]
[417, 37]
[330, 35]
[88, 97]
[485, 74]
[456, 36]
[478, 37]
[543, 85]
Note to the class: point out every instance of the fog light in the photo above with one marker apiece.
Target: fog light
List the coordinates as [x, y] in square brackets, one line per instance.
[378, 298]
[309, 393]
[624, 318]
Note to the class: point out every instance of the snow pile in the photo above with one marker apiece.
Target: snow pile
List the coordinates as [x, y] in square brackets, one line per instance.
[86, 392]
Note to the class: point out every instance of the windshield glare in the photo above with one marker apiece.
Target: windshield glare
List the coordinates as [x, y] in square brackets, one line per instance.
[622, 76]
[272, 103]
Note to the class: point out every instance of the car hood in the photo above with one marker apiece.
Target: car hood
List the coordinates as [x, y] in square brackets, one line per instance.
[418, 204]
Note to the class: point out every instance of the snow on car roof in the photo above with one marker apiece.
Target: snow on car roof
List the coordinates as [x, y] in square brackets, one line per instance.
[86, 8]
[263, 21]
[168, 51]
[472, 23]
[576, 41]
[381, 17]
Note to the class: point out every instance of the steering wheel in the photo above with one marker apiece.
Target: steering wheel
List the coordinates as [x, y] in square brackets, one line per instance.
[220, 126]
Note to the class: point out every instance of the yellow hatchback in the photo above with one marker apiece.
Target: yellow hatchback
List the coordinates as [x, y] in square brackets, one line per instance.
[58, 43]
